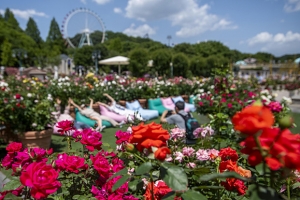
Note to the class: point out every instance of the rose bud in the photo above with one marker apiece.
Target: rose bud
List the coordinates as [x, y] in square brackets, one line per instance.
[129, 147]
[285, 122]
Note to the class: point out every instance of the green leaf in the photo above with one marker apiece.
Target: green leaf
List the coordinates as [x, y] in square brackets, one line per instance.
[121, 172]
[174, 176]
[209, 187]
[223, 175]
[193, 195]
[143, 168]
[135, 185]
[260, 169]
[132, 185]
[120, 182]
[76, 196]
[263, 193]
[201, 170]
[170, 196]
[10, 196]
[295, 185]
[12, 185]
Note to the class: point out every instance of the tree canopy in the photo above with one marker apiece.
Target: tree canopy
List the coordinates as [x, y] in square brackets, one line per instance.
[199, 59]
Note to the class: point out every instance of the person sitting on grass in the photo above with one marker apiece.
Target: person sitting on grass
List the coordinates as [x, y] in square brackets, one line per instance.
[174, 117]
[116, 108]
[92, 114]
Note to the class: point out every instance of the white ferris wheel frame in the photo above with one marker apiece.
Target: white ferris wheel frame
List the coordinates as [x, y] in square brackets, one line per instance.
[74, 12]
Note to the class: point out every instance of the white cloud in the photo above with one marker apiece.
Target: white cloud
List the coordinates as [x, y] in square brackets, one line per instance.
[83, 1]
[101, 1]
[25, 14]
[262, 37]
[117, 10]
[187, 14]
[292, 5]
[279, 43]
[139, 31]
[279, 38]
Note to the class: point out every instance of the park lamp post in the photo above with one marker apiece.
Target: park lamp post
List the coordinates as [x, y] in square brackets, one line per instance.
[19, 54]
[171, 69]
[96, 55]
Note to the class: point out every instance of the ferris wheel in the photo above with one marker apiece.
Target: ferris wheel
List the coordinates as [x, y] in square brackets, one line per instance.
[82, 21]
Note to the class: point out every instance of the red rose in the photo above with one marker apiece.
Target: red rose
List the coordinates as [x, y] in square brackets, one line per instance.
[65, 126]
[91, 139]
[18, 96]
[252, 119]
[41, 178]
[228, 154]
[147, 135]
[161, 153]
[282, 148]
[14, 147]
[70, 163]
[101, 165]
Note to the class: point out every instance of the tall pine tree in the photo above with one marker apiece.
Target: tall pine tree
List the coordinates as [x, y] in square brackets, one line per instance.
[9, 17]
[33, 31]
[55, 38]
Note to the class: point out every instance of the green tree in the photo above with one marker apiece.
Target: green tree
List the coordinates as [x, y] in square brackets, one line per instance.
[185, 48]
[138, 61]
[6, 54]
[33, 31]
[18, 40]
[198, 66]
[161, 61]
[54, 38]
[129, 46]
[115, 45]
[180, 65]
[11, 20]
[263, 57]
[83, 56]
[210, 48]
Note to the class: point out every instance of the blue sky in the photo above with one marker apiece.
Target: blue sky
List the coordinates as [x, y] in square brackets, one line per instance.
[246, 25]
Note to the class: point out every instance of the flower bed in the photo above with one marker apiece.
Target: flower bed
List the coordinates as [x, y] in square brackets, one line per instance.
[152, 161]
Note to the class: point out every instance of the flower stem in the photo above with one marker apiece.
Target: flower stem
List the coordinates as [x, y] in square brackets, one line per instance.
[152, 187]
[288, 188]
[69, 143]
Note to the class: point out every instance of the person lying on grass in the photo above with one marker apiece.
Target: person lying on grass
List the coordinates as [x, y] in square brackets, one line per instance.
[116, 108]
[92, 114]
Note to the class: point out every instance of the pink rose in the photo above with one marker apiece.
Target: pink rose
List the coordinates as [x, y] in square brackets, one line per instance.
[7, 161]
[91, 139]
[41, 178]
[188, 151]
[14, 147]
[122, 136]
[70, 163]
[21, 161]
[101, 165]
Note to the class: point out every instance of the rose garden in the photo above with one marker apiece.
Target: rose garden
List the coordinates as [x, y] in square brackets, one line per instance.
[246, 148]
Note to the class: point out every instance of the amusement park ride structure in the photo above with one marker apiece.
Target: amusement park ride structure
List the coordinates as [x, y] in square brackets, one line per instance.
[82, 21]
